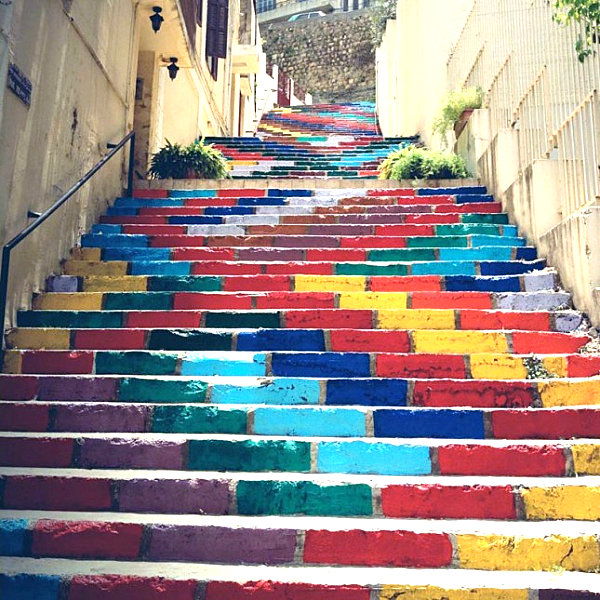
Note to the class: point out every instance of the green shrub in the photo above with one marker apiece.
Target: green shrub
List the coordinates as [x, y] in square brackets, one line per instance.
[454, 105]
[197, 160]
[420, 163]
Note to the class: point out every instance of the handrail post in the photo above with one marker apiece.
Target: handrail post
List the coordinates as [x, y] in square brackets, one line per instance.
[131, 166]
[3, 298]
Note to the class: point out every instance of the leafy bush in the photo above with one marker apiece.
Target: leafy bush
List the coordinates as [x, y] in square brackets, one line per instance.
[197, 160]
[454, 105]
[585, 12]
[420, 163]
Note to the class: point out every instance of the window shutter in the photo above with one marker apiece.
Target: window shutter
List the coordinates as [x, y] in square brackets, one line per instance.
[199, 6]
[217, 21]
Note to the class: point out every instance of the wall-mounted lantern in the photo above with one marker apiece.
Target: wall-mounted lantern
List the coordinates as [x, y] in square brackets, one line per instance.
[156, 19]
[172, 68]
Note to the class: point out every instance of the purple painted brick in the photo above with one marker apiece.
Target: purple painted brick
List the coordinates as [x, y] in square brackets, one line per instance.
[222, 545]
[305, 241]
[115, 453]
[270, 254]
[341, 230]
[567, 321]
[532, 301]
[174, 496]
[93, 389]
[62, 283]
[536, 282]
[100, 417]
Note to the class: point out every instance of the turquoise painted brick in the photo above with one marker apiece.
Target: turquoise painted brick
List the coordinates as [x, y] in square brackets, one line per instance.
[493, 240]
[71, 319]
[436, 241]
[233, 364]
[485, 253]
[90, 240]
[467, 229]
[12, 537]
[138, 301]
[192, 193]
[138, 363]
[198, 419]
[375, 458]
[29, 587]
[151, 267]
[444, 268]
[325, 422]
[278, 391]
[192, 283]
[510, 231]
[134, 389]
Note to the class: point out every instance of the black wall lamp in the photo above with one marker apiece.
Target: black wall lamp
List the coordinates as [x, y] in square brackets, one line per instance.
[156, 19]
[172, 68]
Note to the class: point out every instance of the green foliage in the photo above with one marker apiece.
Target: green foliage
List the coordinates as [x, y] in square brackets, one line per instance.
[455, 103]
[197, 160]
[586, 12]
[380, 11]
[536, 368]
[420, 163]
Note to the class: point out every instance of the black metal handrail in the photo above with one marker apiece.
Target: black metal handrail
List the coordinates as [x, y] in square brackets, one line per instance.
[8, 247]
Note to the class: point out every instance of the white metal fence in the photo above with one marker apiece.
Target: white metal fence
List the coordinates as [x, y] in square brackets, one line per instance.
[533, 82]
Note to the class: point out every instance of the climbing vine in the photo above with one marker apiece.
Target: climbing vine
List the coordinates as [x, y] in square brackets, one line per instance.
[585, 12]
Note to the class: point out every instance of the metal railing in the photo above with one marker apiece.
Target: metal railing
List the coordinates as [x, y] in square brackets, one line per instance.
[15, 241]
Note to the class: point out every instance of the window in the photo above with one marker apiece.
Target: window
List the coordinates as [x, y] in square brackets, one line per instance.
[217, 21]
[265, 5]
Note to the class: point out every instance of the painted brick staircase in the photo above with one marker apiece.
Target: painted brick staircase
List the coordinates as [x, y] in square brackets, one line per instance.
[267, 393]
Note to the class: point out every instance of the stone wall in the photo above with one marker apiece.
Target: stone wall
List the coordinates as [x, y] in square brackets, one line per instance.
[332, 57]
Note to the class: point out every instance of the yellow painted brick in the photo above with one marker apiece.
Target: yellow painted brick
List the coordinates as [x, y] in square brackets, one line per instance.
[393, 592]
[113, 268]
[569, 393]
[243, 163]
[586, 459]
[373, 300]
[562, 502]
[13, 360]
[502, 553]
[334, 283]
[497, 366]
[416, 319]
[39, 338]
[68, 301]
[459, 342]
[94, 254]
[125, 283]
[557, 365]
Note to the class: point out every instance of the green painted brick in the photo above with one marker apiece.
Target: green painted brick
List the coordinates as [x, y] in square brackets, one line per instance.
[134, 389]
[137, 363]
[72, 319]
[249, 320]
[402, 254]
[366, 269]
[188, 339]
[249, 455]
[303, 497]
[190, 283]
[137, 301]
[468, 229]
[500, 218]
[198, 419]
[438, 242]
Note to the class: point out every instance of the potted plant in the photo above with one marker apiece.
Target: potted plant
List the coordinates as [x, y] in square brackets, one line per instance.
[456, 110]
[413, 162]
[195, 161]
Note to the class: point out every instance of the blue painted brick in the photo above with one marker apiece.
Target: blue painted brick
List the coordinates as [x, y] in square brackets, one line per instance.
[178, 267]
[143, 202]
[511, 267]
[192, 193]
[482, 284]
[229, 210]
[366, 392]
[106, 229]
[475, 189]
[90, 240]
[309, 422]
[121, 212]
[29, 587]
[526, 253]
[469, 198]
[12, 537]
[452, 424]
[278, 391]
[143, 254]
[377, 458]
[327, 364]
[266, 201]
[282, 339]
[290, 193]
[194, 220]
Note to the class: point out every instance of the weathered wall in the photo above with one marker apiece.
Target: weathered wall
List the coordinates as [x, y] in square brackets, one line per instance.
[332, 57]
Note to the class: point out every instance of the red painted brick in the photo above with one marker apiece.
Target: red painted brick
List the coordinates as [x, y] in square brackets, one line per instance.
[329, 319]
[57, 362]
[420, 365]
[57, 493]
[342, 210]
[546, 424]
[407, 192]
[24, 417]
[133, 219]
[157, 318]
[546, 343]
[519, 461]
[203, 254]
[18, 387]
[425, 283]
[110, 339]
[448, 502]
[479, 319]
[150, 194]
[176, 241]
[36, 452]
[337, 254]
[372, 241]
[291, 300]
[471, 207]
[168, 211]
[122, 587]
[155, 229]
[294, 219]
[86, 539]
[270, 590]
[405, 230]
[436, 200]
[207, 301]
[583, 366]
[225, 268]
[197, 202]
[297, 229]
[480, 300]
[259, 283]
[243, 193]
[304, 268]
[369, 340]
[377, 548]
[478, 394]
